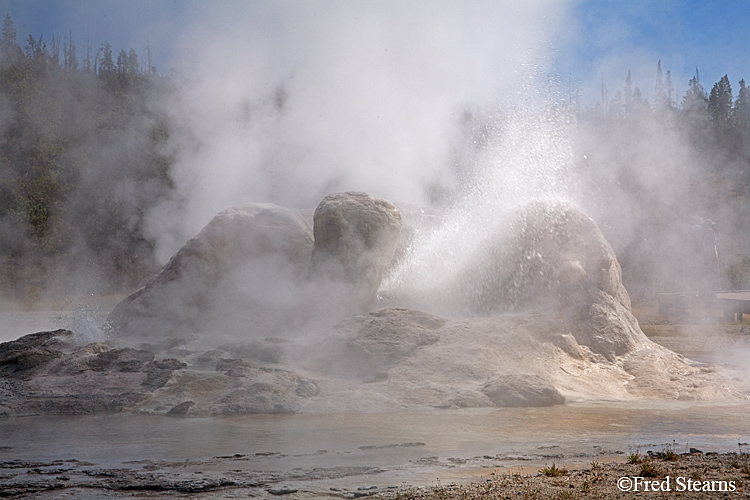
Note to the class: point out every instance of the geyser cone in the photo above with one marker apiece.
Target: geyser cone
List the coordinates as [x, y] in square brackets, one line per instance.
[239, 275]
[544, 318]
[355, 239]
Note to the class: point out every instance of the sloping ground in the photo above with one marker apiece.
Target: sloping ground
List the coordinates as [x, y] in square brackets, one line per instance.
[47, 373]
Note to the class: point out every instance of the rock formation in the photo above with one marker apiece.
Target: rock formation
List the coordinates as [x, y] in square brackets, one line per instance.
[555, 258]
[517, 390]
[355, 238]
[237, 274]
[256, 271]
[47, 373]
[367, 344]
[229, 325]
[550, 255]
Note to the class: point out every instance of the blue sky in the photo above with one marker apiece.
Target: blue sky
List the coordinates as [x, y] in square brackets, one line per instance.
[594, 39]
[611, 37]
[122, 23]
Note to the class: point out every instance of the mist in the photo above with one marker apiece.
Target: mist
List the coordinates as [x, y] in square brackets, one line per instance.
[439, 105]
[433, 105]
[514, 206]
[285, 102]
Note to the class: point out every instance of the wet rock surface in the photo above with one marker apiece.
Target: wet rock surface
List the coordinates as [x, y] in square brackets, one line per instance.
[387, 359]
[47, 373]
[519, 390]
[368, 343]
[554, 257]
[589, 475]
[19, 478]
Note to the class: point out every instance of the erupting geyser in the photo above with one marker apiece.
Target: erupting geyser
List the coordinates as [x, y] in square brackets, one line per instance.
[255, 315]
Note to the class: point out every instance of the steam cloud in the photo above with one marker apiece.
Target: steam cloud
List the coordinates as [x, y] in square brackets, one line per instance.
[285, 102]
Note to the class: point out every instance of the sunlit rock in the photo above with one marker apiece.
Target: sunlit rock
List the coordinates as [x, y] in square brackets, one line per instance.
[549, 255]
[367, 344]
[251, 317]
[553, 257]
[255, 271]
[355, 239]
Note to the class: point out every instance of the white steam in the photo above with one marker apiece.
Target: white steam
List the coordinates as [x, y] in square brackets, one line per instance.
[524, 154]
[285, 102]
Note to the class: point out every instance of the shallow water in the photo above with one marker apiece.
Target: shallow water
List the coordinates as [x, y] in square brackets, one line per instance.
[416, 447]
[413, 447]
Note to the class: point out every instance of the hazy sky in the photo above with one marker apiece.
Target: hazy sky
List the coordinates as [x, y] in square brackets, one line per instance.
[594, 38]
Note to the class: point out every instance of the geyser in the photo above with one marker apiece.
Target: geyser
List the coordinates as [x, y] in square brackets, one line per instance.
[544, 317]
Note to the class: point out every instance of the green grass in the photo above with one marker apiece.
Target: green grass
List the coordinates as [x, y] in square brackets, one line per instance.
[553, 471]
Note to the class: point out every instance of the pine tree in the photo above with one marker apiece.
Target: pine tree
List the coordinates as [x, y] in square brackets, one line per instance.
[627, 98]
[70, 60]
[741, 111]
[670, 89]
[80, 162]
[720, 103]
[660, 96]
[639, 106]
[616, 107]
[134, 67]
[663, 89]
[150, 69]
[35, 50]
[104, 65]
[695, 99]
[54, 50]
[9, 41]
[122, 63]
[88, 65]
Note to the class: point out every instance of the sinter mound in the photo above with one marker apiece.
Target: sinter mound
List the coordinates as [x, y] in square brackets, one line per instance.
[253, 315]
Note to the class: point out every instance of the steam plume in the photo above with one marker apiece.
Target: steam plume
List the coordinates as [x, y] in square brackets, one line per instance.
[284, 102]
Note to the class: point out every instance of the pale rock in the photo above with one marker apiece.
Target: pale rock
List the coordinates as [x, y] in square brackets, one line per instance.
[246, 260]
[356, 237]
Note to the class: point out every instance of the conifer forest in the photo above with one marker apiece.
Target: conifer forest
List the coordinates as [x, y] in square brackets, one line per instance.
[85, 156]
